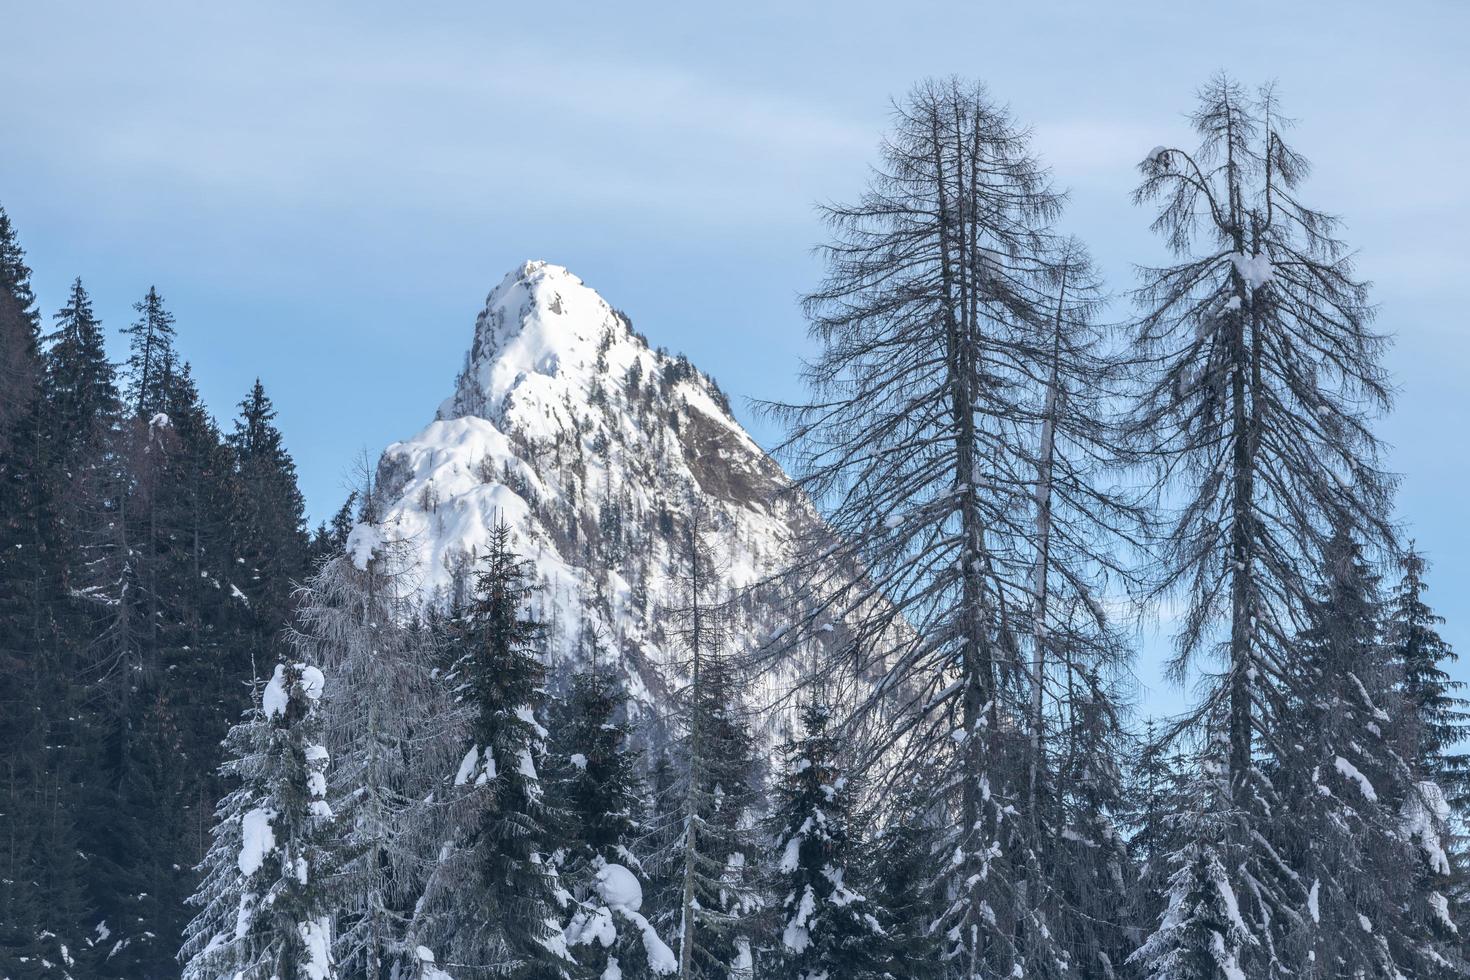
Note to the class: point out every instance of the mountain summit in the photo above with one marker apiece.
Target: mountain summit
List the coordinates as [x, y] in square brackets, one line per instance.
[597, 450]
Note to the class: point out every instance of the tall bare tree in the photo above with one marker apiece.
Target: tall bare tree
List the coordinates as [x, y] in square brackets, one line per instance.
[950, 440]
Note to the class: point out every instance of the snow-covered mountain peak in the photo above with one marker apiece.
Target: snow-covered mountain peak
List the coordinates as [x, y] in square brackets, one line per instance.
[598, 450]
[541, 320]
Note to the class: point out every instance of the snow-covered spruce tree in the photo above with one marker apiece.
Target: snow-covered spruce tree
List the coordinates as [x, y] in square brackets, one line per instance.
[1434, 721]
[1087, 861]
[952, 440]
[1440, 717]
[595, 783]
[265, 908]
[829, 927]
[901, 868]
[713, 854]
[1158, 792]
[1200, 934]
[387, 729]
[1344, 837]
[491, 906]
[1259, 381]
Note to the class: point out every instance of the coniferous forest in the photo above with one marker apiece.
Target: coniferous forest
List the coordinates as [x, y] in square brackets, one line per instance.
[233, 747]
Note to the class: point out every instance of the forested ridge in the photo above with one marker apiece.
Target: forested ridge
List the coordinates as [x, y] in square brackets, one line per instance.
[233, 747]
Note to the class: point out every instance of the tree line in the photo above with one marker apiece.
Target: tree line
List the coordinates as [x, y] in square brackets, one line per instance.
[962, 791]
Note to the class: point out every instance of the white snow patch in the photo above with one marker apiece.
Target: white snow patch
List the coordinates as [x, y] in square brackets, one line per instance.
[316, 935]
[619, 887]
[1256, 270]
[1350, 771]
[257, 839]
[363, 543]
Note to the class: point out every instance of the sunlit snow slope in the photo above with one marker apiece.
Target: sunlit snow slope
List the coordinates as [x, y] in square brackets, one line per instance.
[594, 448]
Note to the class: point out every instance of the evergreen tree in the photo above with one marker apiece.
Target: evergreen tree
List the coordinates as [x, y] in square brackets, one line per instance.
[905, 855]
[1437, 723]
[270, 527]
[265, 909]
[179, 649]
[1157, 787]
[15, 275]
[830, 927]
[492, 903]
[150, 353]
[83, 411]
[1441, 719]
[45, 914]
[598, 792]
[1345, 838]
[1088, 863]
[1200, 934]
[330, 538]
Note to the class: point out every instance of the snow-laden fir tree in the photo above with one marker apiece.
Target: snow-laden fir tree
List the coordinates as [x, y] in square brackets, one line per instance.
[389, 731]
[1344, 838]
[1434, 722]
[1440, 717]
[265, 903]
[953, 436]
[1158, 788]
[1088, 861]
[492, 905]
[1438, 722]
[711, 851]
[1260, 380]
[598, 793]
[828, 925]
[901, 867]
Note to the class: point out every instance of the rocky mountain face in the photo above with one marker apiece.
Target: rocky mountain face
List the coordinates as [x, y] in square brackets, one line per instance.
[599, 451]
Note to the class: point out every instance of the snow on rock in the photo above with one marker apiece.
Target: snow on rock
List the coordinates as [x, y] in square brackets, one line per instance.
[257, 839]
[363, 542]
[595, 449]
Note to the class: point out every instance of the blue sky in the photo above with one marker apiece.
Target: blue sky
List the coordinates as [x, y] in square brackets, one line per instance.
[325, 192]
